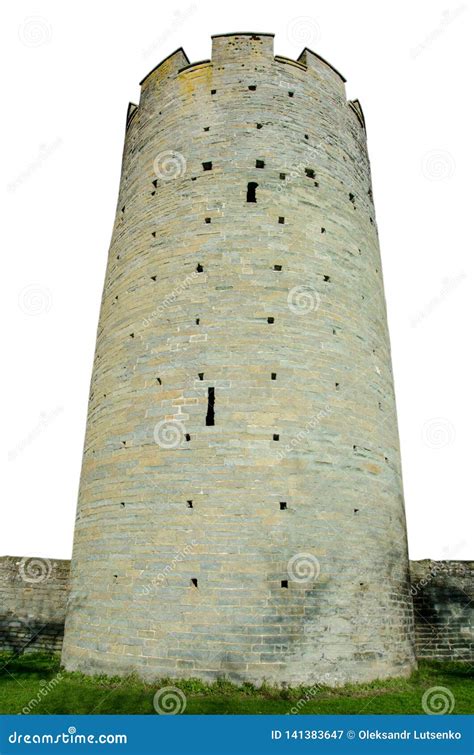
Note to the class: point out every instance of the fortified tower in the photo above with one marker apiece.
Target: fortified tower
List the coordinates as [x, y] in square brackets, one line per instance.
[241, 509]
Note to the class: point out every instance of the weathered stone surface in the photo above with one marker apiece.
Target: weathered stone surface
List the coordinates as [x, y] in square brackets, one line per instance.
[205, 289]
[443, 597]
[33, 596]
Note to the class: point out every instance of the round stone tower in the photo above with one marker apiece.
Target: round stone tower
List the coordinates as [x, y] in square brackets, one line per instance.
[241, 508]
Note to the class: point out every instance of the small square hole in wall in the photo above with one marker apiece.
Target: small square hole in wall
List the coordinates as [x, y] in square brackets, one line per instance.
[153, 233]
[194, 582]
[356, 511]
[274, 376]
[189, 504]
[326, 278]
[187, 437]
[282, 176]
[153, 277]
[283, 506]
[207, 220]
[284, 583]
[281, 220]
[207, 165]
[213, 91]
[277, 268]
[270, 320]
[206, 128]
[323, 230]
[199, 268]
[198, 320]
[259, 163]
[291, 94]
[309, 172]
[337, 386]
[306, 136]
[252, 87]
[276, 436]
[122, 503]
[259, 125]
[201, 375]
[158, 380]
[155, 183]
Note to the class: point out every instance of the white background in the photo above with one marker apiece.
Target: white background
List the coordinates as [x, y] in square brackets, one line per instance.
[69, 71]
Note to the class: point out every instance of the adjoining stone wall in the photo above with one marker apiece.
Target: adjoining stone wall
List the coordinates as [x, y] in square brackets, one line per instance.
[32, 614]
[33, 597]
[443, 593]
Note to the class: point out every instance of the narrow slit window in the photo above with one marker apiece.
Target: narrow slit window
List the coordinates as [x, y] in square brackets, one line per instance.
[187, 437]
[210, 407]
[252, 191]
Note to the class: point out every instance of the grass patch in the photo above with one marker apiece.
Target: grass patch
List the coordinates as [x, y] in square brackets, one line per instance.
[38, 677]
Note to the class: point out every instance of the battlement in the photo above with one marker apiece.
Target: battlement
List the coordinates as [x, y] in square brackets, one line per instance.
[246, 50]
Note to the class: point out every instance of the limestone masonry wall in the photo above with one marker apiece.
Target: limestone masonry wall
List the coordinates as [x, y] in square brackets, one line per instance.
[443, 596]
[241, 504]
[443, 593]
[33, 596]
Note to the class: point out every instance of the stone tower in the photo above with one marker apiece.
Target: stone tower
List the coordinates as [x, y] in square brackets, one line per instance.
[241, 508]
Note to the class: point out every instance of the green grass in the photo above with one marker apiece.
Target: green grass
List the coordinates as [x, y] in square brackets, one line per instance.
[23, 677]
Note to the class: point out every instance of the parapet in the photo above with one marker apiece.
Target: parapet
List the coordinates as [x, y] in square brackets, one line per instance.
[247, 48]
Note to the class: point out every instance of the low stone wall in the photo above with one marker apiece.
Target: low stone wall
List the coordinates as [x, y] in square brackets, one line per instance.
[443, 593]
[34, 591]
[33, 596]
